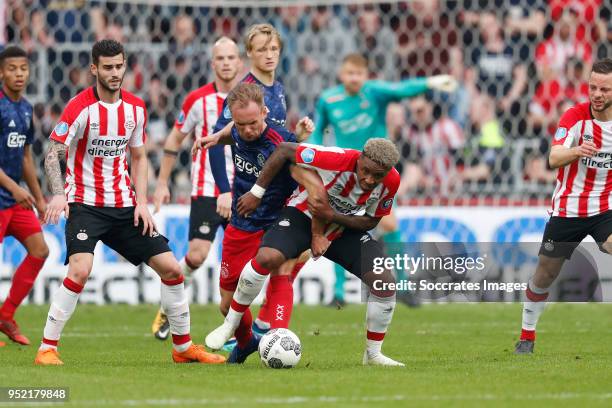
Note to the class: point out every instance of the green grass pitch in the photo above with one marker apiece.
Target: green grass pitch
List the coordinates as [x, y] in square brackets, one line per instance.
[456, 355]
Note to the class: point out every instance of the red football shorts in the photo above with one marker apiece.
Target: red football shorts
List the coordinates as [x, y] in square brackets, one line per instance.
[18, 222]
[239, 247]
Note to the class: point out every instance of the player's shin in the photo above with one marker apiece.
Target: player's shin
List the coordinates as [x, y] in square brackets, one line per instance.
[281, 301]
[176, 306]
[23, 280]
[62, 307]
[532, 309]
[379, 315]
[251, 281]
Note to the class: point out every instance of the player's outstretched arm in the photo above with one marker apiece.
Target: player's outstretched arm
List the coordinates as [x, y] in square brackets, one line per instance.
[171, 149]
[250, 201]
[31, 179]
[139, 175]
[562, 156]
[58, 204]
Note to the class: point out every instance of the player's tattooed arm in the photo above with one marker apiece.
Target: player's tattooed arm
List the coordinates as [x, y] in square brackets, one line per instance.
[55, 154]
[58, 203]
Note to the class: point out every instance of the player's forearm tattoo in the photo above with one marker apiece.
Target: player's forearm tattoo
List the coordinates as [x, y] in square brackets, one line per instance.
[56, 152]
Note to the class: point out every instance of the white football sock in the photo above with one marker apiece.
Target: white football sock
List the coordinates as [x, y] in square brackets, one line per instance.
[62, 307]
[175, 305]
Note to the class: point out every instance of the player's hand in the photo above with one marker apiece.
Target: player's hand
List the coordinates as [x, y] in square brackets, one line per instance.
[24, 198]
[41, 208]
[320, 209]
[586, 149]
[205, 142]
[224, 205]
[141, 212]
[304, 128]
[318, 245]
[161, 196]
[56, 206]
[442, 83]
[247, 204]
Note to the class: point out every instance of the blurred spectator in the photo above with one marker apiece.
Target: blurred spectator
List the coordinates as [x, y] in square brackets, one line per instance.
[586, 14]
[497, 70]
[433, 144]
[290, 23]
[378, 42]
[550, 93]
[553, 54]
[321, 47]
[485, 149]
[425, 38]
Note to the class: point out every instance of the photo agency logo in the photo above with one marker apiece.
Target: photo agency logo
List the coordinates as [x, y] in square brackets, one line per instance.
[489, 272]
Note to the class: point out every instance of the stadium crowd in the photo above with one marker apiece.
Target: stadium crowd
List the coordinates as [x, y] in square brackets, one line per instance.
[520, 64]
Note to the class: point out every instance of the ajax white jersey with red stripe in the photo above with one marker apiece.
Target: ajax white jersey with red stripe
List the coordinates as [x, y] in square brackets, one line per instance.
[584, 187]
[199, 114]
[98, 135]
[337, 168]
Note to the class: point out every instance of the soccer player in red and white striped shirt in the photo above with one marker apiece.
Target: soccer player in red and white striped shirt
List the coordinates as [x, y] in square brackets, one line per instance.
[358, 189]
[197, 118]
[94, 134]
[582, 151]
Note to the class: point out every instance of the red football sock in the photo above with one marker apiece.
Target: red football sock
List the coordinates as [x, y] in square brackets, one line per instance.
[528, 335]
[23, 280]
[280, 301]
[264, 310]
[243, 332]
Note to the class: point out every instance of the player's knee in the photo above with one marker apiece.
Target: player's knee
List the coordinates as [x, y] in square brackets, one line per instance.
[171, 271]
[197, 257]
[381, 285]
[548, 268]
[40, 251]
[269, 259]
[79, 273]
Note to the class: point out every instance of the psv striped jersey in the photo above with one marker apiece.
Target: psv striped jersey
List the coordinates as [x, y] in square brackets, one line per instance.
[98, 135]
[583, 187]
[199, 114]
[337, 168]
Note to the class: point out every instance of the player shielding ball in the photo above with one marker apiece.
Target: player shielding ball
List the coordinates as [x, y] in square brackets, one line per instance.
[263, 45]
[95, 131]
[581, 202]
[253, 141]
[355, 182]
[198, 116]
[17, 217]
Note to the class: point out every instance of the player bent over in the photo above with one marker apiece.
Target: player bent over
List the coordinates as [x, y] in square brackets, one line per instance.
[581, 150]
[17, 217]
[355, 182]
[93, 136]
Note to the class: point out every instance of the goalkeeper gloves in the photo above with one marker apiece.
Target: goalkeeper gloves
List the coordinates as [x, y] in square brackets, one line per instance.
[443, 83]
